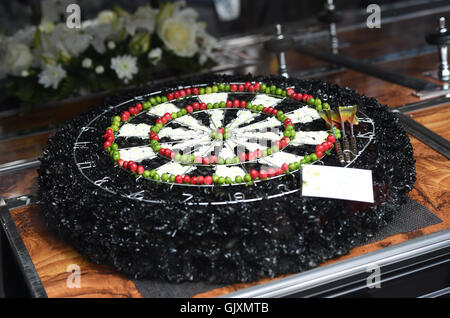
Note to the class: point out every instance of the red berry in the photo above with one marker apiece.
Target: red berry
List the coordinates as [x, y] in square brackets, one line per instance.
[132, 166]
[299, 96]
[242, 156]
[124, 117]
[203, 106]
[138, 106]
[329, 144]
[257, 86]
[195, 91]
[170, 96]
[285, 167]
[247, 85]
[271, 172]
[188, 91]
[263, 174]
[167, 116]
[194, 180]
[187, 179]
[182, 93]
[109, 131]
[200, 180]
[189, 109]
[159, 121]
[161, 151]
[282, 143]
[279, 171]
[251, 155]
[287, 139]
[167, 152]
[110, 138]
[213, 159]
[196, 105]
[140, 170]
[155, 137]
[233, 87]
[178, 179]
[319, 148]
[221, 130]
[289, 92]
[172, 155]
[251, 88]
[241, 87]
[242, 104]
[206, 161]
[331, 138]
[125, 165]
[132, 110]
[294, 96]
[120, 162]
[236, 103]
[208, 180]
[264, 109]
[319, 153]
[270, 110]
[254, 174]
[176, 94]
[229, 104]
[258, 153]
[274, 111]
[278, 144]
[325, 145]
[107, 144]
[198, 159]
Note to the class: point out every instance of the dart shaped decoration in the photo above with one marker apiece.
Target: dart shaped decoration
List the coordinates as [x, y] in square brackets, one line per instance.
[329, 115]
[346, 144]
[348, 114]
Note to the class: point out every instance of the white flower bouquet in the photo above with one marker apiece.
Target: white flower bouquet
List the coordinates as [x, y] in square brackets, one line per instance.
[50, 62]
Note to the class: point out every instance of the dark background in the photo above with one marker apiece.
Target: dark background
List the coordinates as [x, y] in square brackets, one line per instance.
[254, 13]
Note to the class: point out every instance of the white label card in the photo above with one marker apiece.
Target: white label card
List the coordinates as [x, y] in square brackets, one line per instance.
[337, 183]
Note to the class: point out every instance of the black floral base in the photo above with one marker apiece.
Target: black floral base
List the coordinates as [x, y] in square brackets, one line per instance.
[225, 243]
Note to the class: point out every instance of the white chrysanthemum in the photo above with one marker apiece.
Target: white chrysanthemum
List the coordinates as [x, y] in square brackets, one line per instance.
[99, 69]
[18, 57]
[86, 63]
[52, 75]
[125, 67]
[155, 55]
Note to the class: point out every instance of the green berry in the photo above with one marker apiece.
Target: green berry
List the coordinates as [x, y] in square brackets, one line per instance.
[326, 106]
[229, 161]
[222, 104]
[201, 91]
[208, 90]
[163, 99]
[221, 86]
[235, 159]
[238, 179]
[228, 180]
[221, 180]
[172, 178]
[165, 177]
[313, 157]
[220, 161]
[215, 88]
[279, 91]
[159, 99]
[247, 178]
[311, 101]
[146, 174]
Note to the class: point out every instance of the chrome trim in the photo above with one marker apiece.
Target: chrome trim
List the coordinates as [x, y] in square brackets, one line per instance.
[357, 265]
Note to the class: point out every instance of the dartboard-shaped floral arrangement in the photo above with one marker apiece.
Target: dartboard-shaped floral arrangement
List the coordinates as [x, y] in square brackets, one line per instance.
[222, 134]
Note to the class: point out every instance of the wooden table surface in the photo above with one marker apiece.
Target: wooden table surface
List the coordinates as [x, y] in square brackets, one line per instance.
[51, 256]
